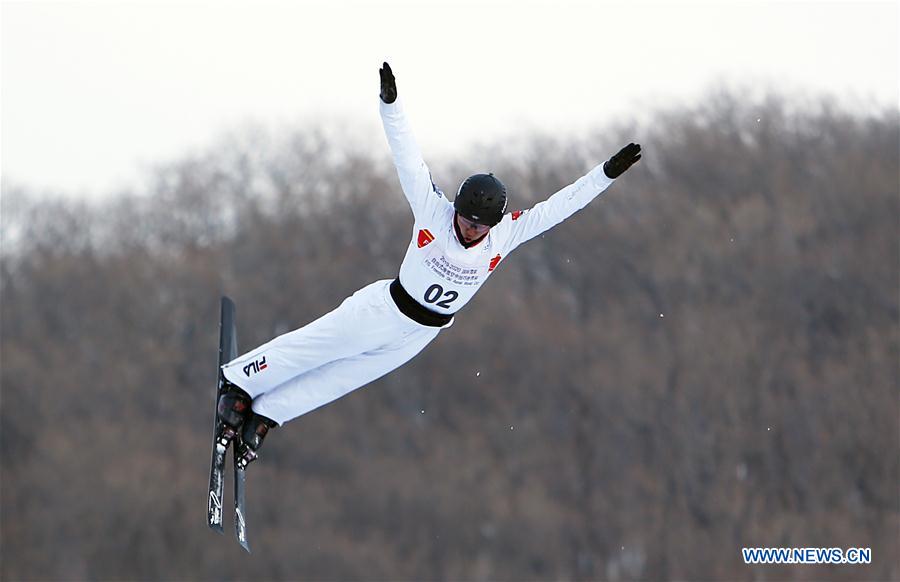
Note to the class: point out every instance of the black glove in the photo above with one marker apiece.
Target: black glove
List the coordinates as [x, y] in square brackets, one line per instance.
[388, 85]
[616, 165]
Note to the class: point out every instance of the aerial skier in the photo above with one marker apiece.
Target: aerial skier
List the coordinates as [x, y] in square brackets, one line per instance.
[455, 247]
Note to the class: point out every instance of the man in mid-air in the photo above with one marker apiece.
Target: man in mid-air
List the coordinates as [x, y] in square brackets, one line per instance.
[454, 249]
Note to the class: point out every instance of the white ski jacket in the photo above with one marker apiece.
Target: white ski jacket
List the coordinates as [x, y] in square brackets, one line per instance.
[438, 271]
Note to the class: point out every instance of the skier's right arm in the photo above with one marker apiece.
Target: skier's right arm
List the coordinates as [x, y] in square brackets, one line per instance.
[523, 226]
[415, 179]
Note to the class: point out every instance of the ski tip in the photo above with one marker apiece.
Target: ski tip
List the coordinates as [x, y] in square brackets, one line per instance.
[246, 546]
[217, 527]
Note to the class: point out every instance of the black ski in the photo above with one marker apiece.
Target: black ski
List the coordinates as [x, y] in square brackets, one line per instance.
[240, 518]
[223, 436]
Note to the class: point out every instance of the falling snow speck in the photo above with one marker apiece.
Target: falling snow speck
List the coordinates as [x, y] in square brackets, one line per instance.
[477, 373]
[510, 428]
[661, 315]
[423, 412]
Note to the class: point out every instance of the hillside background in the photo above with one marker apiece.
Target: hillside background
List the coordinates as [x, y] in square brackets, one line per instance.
[705, 358]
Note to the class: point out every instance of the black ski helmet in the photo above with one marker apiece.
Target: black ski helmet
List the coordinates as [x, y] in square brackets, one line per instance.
[481, 198]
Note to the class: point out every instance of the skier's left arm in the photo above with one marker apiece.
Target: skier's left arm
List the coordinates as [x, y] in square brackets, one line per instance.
[566, 202]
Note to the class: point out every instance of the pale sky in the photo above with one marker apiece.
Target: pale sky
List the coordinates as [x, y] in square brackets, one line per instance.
[93, 93]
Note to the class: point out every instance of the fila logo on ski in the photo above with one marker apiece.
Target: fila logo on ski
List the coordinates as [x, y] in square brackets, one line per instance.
[425, 237]
[494, 262]
[241, 526]
[216, 506]
[256, 367]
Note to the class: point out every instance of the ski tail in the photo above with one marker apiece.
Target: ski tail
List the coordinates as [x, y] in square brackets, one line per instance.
[240, 517]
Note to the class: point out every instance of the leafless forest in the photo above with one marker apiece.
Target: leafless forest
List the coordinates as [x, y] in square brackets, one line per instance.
[704, 358]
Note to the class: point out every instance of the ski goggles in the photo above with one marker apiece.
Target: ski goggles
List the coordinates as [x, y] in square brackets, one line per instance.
[479, 229]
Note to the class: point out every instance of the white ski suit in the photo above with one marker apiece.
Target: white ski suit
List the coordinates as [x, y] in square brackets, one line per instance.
[373, 331]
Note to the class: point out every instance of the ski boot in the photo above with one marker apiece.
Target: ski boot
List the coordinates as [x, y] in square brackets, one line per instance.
[256, 426]
[233, 408]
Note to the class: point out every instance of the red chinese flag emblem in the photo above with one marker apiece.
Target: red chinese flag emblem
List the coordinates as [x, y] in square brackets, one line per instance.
[425, 237]
[516, 214]
[494, 262]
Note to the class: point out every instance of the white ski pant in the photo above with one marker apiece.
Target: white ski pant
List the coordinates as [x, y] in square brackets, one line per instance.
[361, 340]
